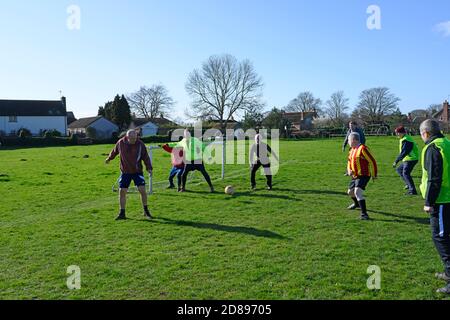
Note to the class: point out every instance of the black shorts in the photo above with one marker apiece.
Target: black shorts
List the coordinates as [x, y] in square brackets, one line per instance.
[360, 182]
[126, 178]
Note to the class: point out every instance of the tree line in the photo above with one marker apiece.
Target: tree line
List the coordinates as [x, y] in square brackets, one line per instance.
[224, 89]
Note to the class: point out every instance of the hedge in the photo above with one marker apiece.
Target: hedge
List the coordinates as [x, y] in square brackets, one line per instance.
[66, 141]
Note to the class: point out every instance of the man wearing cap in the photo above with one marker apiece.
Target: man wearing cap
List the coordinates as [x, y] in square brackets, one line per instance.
[409, 156]
[435, 189]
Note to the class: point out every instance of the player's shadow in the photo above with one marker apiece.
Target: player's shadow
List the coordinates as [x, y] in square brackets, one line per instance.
[317, 192]
[266, 194]
[401, 218]
[218, 227]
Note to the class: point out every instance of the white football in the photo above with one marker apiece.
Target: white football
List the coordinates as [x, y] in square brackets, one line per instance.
[229, 190]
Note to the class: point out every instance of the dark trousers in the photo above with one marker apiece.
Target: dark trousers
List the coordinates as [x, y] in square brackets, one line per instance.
[267, 173]
[176, 172]
[195, 167]
[404, 171]
[440, 227]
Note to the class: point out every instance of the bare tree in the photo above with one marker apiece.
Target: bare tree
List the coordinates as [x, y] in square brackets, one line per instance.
[375, 104]
[433, 109]
[305, 102]
[336, 107]
[151, 102]
[223, 88]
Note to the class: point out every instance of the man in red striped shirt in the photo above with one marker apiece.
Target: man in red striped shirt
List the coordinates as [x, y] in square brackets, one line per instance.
[361, 167]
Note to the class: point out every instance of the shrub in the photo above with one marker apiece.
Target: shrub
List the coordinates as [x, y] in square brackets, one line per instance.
[157, 139]
[91, 133]
[24, 133]
[73, 139]
[52, 133]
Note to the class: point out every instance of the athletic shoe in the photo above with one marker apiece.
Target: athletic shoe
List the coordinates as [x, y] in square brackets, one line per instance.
[148, 215]
[253, 188]
[410, 193]
[445, 290]
[171, 187]
[182, 190]
[406, 188]
[365, 217]
[352, 207]
[442, 276]
[212, 190]
[121, 217]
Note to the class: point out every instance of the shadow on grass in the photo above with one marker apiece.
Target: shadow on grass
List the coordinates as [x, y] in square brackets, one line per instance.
[252, 194]
[402, 218]
[267, 194]
[318, 192]
[219, 227]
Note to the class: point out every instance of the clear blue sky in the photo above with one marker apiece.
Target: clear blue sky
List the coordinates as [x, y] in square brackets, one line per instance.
[297, 45]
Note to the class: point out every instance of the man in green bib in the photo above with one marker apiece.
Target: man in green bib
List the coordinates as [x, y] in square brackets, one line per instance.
[409, 156]
[194, 150]
[435, 189]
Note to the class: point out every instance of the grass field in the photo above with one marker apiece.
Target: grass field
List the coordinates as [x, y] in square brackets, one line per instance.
[297, 242]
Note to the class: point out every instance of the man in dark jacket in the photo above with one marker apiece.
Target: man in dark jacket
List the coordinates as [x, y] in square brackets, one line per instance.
[132, 152]
[409, 155]
[260, 157]
[353, 127]
[435, 189]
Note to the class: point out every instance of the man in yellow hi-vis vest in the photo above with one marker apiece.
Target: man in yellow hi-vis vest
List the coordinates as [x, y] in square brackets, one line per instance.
[409, 156]
[194, 150]
[435, 189]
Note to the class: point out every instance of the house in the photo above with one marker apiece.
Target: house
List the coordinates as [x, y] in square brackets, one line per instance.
[231, 124]
[70, 117]
[443, 115]
[152, 127]
[300, 121]
[94, 127]
[34, 115]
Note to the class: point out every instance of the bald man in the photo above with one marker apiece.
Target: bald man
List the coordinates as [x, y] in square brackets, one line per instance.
[132, 152]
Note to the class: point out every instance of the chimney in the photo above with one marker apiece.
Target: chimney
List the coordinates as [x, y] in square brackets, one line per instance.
[64, 102]
[445, 111]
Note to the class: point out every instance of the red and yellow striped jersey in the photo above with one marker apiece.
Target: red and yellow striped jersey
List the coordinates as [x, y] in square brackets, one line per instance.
[362, 163]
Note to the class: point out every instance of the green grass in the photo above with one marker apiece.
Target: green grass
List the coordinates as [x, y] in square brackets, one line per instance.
[297, 242]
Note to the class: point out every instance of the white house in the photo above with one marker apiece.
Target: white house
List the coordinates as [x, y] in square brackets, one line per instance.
[34, 115]
[151, 127]
[104, 129]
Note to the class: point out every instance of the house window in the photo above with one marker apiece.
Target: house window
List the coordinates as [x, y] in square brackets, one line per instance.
[12, 118]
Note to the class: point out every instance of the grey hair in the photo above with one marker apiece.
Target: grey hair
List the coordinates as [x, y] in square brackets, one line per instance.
[430, 126]
[129, 132]
[354, 136]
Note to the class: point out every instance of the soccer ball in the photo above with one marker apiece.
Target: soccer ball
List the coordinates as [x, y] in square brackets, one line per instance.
[229, 190]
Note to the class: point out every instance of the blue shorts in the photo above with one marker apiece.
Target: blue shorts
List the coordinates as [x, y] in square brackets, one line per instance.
[125, 180]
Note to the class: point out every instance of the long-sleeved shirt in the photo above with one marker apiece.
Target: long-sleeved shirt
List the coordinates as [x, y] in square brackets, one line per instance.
[194, 149]
[177, 155]
[434, 165]
[407, 148]
[131, 156]
[362, 163]
[260, 152]
[362, 136]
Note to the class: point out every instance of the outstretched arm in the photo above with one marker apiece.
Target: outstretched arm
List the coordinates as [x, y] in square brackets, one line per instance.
[113, 154]
[407, 147]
